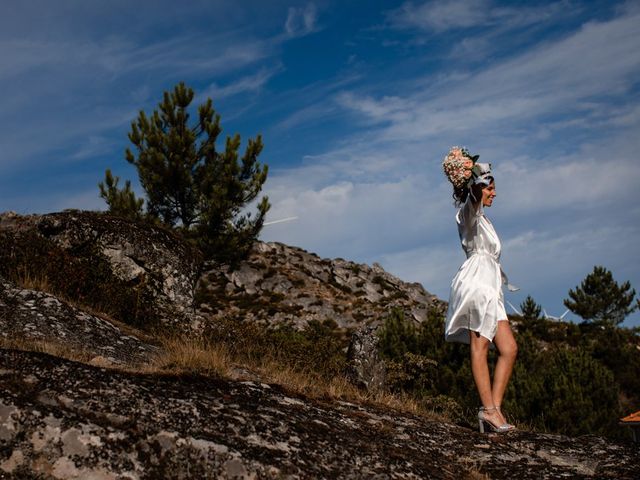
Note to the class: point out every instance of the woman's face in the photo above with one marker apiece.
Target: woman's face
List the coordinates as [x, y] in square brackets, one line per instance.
[488, 193]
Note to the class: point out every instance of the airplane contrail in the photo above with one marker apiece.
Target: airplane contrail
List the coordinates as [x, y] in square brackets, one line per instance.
[288, 219]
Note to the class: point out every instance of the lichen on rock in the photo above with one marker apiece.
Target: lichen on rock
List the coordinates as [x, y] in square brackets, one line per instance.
[98, 423]
[146, 273]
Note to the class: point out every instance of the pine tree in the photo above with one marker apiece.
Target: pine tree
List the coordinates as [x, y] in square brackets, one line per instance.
[122, 202]
[397, 336]
[191, 185]
[530, 309]
[599, 298]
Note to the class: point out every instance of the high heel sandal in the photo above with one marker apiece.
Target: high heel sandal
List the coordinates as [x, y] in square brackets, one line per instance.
[482, 420]
[512, 427]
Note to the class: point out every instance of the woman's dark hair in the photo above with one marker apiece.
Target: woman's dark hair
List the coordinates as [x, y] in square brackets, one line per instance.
[460, 194]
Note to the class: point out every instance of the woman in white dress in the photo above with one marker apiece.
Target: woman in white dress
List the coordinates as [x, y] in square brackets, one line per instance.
[476, 313]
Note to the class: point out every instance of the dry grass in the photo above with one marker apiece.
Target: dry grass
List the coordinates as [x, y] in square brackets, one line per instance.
[180, 355]
[51, 347]
[25, 279]
[472, 469]
[336, 388]
[192, 355]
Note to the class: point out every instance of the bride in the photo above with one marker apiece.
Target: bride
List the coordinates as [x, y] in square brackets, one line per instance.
[476, 313]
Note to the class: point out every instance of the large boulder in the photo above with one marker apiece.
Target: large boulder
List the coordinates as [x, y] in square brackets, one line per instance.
[365, 367]
[33, 319]
[161, 268]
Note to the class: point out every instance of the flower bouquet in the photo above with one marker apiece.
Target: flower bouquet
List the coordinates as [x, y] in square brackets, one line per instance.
[458, 166]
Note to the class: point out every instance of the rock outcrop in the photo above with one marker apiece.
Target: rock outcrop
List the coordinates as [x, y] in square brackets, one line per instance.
[365, 367]
[161, 266]
[276, 284]
[32, 316]
[283, 284]
[65, 420]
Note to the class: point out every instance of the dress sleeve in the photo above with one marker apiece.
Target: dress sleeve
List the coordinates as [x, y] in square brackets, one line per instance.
[470, 212]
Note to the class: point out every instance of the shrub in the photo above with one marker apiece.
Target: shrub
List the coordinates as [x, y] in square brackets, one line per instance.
[563, 390]
[555, 386]
[319, 348]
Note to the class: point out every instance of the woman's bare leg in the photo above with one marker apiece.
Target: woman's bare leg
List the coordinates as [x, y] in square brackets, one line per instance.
[507, 352]
[480, 369]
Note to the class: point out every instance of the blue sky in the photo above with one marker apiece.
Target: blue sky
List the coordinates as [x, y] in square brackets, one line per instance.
[357, 102]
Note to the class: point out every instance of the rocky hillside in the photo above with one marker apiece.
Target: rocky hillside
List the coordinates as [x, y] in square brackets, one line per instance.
[98, 287]
[277, 284]
[150, 266]
[65, 420]
[283, 284]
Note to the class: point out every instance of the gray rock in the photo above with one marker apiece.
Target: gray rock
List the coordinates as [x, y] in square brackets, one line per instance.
[285, 284]
[276, 284]
[365, 367]
[29, 315]
[191, 427]
[150, 258]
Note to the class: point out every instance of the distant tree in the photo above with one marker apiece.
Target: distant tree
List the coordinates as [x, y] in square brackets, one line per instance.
[530, 309]
[562, 389]
[397, 335]
[121, 202]
[599, 298]
[191, 185]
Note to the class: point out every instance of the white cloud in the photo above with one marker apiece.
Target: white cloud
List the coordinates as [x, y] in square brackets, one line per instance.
[312, 103]
[574, 183]
[564, 78]
[433, 266]
[301, 20]
[358, 200]
[442, 15]
[251, 83]
[559, 259]
[560, 208]
[120, 56]
[89, 88]
[386, 109]
[93, 146]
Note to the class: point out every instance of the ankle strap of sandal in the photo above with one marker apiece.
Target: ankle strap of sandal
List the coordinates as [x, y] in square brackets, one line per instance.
[489, 409]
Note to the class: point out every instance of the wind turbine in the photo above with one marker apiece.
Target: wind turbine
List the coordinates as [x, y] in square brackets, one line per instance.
[273, 222]
[551, 317]
[514, 308]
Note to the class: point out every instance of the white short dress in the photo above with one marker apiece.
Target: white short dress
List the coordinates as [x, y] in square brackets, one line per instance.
[476, 301]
